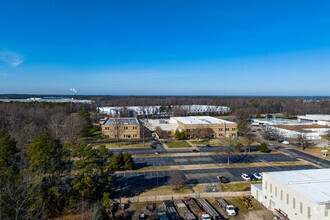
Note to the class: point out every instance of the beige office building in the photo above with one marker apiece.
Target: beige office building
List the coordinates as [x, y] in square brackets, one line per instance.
[124, 128]
[194, 126]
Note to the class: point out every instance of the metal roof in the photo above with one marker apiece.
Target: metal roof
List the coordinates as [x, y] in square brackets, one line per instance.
[122, 121]
[313, 184]
[201, 120]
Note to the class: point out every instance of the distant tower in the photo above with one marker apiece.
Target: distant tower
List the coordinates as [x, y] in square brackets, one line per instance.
[74, 92]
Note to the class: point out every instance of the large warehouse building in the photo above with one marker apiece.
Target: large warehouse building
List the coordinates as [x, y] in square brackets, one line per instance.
[301, 194]
[135, 111]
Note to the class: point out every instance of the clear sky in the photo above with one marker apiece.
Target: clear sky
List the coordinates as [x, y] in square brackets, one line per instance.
[167, 47]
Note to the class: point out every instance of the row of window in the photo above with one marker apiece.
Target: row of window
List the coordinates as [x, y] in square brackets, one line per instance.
[116, 128]
[129, 136]
[228, 129]
[233, 134]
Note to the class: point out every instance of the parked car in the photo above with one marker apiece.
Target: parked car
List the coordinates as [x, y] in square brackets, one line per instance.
[152, 147]
[285, 142]
[252, 177]
[258, 176]
[207, 145]
[206, 217]
[156, 152]
[246, 177]
[230, 209]
[223, 179]
[194, 150]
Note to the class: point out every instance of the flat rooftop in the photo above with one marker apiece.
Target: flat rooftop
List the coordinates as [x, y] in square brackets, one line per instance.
[321, 117]
[164, 124]
[122, 121]
[193, 120]
[313, 184]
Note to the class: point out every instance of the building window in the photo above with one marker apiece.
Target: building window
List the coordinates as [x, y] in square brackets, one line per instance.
[308, 212]
[287, 198]
[301, 208]
[271, 188]
[265, 185]
[326, 213]
[294, 203]
[281, 194]
[276, 191]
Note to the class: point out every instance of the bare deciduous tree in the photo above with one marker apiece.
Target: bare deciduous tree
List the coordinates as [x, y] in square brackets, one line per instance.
[229, 144]
[177, 179]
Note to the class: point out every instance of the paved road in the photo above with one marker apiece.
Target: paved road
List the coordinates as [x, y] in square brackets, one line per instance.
[298, 154]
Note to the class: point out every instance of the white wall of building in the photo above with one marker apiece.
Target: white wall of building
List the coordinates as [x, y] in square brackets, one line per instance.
[276, 195]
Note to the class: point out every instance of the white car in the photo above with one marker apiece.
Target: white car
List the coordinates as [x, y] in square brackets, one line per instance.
[206, 217]
[258, 176]
[231, 210]
[286, 142]
[246, 177]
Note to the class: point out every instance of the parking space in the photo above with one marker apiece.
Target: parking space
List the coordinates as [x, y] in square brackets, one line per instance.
[198, 160]
[198, 176]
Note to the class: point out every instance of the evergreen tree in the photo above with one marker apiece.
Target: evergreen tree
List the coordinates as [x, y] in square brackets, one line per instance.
[263, 147]
[45, 155]
[128, 160]
[8, 156]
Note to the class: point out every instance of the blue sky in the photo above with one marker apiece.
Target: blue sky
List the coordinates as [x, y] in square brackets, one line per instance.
[173, 47]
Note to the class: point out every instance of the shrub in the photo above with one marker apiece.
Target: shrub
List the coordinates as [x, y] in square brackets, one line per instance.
[263, 147]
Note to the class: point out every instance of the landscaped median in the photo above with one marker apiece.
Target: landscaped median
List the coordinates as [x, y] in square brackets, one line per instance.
[217, 165]
[177, 144]
[124, 145]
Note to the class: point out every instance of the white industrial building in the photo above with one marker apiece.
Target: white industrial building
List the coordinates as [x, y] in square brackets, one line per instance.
[155, 110]
[295, 195]
[312, 129]
[319, 119]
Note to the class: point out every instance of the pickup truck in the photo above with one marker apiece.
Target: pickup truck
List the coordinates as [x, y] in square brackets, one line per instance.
[230, 209]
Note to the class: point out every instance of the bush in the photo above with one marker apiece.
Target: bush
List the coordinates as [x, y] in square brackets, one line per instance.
[179, 135]
[238, 148]
[263, 147]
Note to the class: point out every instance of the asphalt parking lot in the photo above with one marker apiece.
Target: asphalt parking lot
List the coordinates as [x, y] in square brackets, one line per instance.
[209, 159]
[197, 176]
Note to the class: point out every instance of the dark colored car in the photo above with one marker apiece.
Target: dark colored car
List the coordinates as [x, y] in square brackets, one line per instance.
[223, 179]
[252, 177]
[194, 150]
[207, 145]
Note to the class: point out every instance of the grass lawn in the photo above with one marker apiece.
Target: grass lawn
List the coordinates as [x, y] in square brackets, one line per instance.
[145, 169]
[126, 145]
[242, 141]
[198, 188]
[200, 143]
[315, 151]
[166, 190]
[150, 155]
[237, 186]
[177, 144]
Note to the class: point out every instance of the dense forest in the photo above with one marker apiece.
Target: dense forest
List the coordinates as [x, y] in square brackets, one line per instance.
[38, 141]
